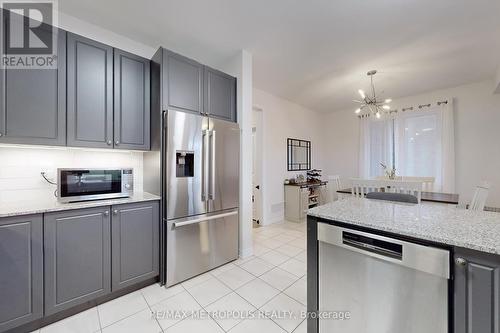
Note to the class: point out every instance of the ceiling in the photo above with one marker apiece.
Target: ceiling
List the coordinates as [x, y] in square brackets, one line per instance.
[316, 53]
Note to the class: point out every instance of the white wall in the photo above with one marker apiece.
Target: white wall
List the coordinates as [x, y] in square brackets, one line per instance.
[20, 168]
[477, 137]
[240, 66]
[283, 119]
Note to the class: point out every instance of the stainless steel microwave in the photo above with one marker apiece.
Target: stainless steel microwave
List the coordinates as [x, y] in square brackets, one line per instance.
[94, 184]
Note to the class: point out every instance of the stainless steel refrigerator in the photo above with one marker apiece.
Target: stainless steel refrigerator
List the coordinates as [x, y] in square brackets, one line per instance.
[200, 157]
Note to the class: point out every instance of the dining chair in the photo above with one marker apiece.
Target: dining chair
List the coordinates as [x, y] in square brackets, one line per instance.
[361, 187]
[387, 178]
[427, 182]
[480, 195]
[333, 186]
[403, 186]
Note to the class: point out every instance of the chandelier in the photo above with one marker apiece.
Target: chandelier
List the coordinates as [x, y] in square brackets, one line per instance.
[372, 103]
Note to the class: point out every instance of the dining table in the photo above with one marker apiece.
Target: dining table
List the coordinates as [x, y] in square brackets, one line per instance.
[437, 197]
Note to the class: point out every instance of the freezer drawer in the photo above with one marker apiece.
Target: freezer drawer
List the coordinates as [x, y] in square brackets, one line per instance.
[200, 243]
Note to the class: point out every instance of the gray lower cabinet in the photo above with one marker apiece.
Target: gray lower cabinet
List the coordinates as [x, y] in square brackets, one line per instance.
[477, 292]
[219, 94]
[135, 247]
[21, 270]
[131, 101]
[33, 101]
[90, 93]
[183, 83]
[77, 248]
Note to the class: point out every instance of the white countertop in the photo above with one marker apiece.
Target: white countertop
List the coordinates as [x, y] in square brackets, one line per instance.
[438, 223]
[50, 204]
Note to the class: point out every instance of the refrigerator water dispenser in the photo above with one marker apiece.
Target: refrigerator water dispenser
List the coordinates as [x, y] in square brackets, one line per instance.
[184, 164]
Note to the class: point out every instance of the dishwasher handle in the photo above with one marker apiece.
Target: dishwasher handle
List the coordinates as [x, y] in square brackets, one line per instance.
[374, 249]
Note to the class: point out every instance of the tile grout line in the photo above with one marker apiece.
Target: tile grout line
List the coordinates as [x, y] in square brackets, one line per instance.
[98, 317]
[150, 309]
[207, 305]
[128, 315]
[283, 292]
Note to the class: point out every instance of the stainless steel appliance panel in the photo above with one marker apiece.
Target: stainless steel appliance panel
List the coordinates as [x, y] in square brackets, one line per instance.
[224, 157]
[186, 185]
[387, 285]
[199, 243]
[225, 237]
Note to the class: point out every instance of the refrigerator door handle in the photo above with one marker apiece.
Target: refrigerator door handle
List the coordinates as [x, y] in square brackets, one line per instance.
[211, 193]
[203, 219]
[204, 164]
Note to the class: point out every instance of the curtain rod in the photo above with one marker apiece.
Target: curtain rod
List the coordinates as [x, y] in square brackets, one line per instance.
[410, 108]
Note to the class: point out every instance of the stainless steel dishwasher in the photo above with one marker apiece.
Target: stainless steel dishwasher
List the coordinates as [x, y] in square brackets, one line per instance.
[386, 285]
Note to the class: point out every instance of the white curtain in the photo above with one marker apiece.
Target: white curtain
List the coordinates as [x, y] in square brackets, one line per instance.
[448, 147]
[376, 146]
[364, 147]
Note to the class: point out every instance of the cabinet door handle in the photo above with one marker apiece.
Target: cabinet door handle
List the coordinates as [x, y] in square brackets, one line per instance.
[460, 262]
[1, 134]
[109, 142]
[117, 142]
[115, 212]
[106, 213]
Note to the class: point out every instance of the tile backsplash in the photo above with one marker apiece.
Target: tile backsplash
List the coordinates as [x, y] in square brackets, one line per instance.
[20, 168]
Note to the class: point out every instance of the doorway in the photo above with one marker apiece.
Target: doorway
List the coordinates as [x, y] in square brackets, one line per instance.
[257, 166]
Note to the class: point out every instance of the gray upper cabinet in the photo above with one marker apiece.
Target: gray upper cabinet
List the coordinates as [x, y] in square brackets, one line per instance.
[77, 246]
[90, 93]
[135, 247]
[219, 95]
[131, 102]
[191, 87]
[21, 267]
[183, 83]
[477, 292]
[33, 102]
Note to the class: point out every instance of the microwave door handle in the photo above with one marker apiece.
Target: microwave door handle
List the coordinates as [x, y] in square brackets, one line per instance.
[211, 194]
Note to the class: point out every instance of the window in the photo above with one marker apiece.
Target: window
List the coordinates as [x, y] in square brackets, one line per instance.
[418, 143]
[411, 142]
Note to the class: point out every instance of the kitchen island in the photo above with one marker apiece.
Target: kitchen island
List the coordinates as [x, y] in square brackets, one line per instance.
[472, 240]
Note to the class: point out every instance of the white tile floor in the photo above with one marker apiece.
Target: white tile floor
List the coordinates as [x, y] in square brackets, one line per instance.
[273, 279]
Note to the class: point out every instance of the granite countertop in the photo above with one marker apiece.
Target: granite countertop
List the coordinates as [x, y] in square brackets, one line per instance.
[50, 204]
[438, 223]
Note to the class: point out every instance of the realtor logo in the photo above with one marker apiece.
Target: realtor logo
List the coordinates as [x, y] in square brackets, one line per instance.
[29, 39]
